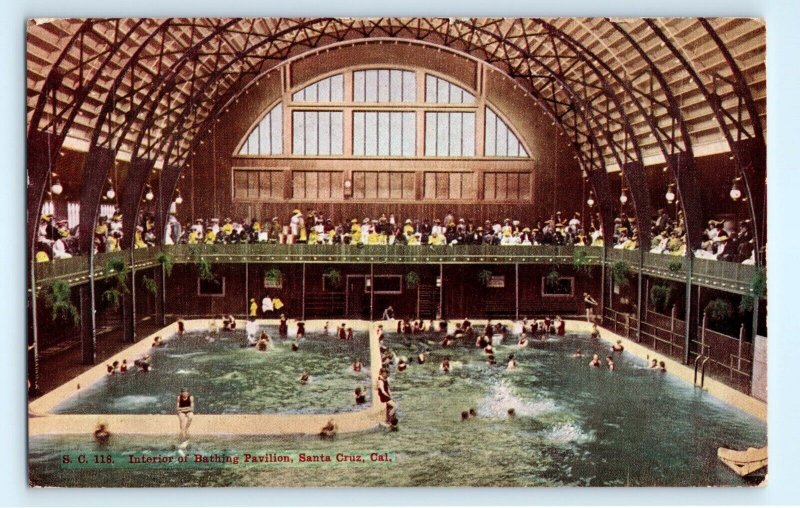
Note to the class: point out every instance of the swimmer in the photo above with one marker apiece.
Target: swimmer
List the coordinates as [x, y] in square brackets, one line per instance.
[482, 341]
[283, 326]
[101, 434]
[445, 365]
[304, 377]
[617, 347]
[181, 327]
[143, 364]
[328, 431]
[157, 342]
[595, 332]
[595, 361]
[421, 357]
[488, 350]
[610, 363]
[512, 363]
[325, 329]
[110, 369]
[232, 321]
[578, 353]
[464, 416]
[472, 412]
[448, 341]
[213, 328]
[360, 396]
[523, 340]
[511, 412]
[184, 406]
[490, 360]
[262, 343]
[349, 335]
[301, 329]
[662, 366]
[384, 393]
[357, 366]
[295, 347]
[402, 364]
[341, 332]
[561, 326]
[653, 364]
[123, 367]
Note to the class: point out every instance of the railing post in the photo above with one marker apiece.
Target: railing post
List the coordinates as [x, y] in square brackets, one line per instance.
[703, 334]
[687, 332]
[303, 296]
[739, 352]
[639, 297]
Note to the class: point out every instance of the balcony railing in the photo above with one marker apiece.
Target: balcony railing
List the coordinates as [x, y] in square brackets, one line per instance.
[710, 273]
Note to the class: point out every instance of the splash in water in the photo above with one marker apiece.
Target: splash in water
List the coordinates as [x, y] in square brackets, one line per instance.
[567, 433]
[501, 398]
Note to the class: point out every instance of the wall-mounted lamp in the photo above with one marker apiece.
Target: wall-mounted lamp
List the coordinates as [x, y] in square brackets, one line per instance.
[623, 198]
[149, 194]
[590, 201]
[56, 188]
[736, 192]
[670, 195]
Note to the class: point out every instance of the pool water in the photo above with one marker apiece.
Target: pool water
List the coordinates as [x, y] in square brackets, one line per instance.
[574, 425]
[226, 378]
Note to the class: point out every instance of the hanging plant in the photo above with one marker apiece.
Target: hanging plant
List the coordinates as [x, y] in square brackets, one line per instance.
[719, 310]
[334, 278]
[619, 273]
[412, 280]
[661, 297]
[205, 269]
[273, 278]
[166, 261]
[150, 285]
[758, 288]
[552, 278]
[484, 276]
[580, 260]
[117, 271]
[57, 298]
[676, 265]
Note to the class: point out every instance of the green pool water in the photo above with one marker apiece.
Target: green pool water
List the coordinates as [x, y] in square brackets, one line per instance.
[226, 378]
[574, 425]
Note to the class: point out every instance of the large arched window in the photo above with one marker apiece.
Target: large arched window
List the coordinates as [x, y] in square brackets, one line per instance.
[500, 140]
[266, 138]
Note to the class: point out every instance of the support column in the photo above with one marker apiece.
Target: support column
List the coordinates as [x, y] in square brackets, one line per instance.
[639, 312]
[303, 295]
[33, 347]
[88, 332]
[690, 331]
[163, 296]
[516, 291]
[371, 291]
[159, 304]
[441, 291]
[246, 289]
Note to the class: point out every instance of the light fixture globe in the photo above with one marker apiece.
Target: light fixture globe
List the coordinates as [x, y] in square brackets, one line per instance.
[735, 193]
[57, 188]
[623, 198]
[149, 196]
[590, 202]
[178, 200]
[110, 194]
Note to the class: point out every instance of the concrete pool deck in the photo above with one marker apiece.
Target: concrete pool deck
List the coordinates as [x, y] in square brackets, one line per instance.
[42, 421]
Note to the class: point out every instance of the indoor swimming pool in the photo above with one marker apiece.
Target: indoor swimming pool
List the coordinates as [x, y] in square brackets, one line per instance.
[573, 425]
[226, 378]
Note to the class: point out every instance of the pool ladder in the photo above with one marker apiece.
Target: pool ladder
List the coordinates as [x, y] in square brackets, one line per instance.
[700, 364]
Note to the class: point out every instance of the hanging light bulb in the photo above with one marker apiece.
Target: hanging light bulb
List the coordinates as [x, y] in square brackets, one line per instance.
[110, 193]
[736, 192]
[56, 188]
[590, 201]
[623, 198]
[178, 198]
[670, 195]
[149, 194]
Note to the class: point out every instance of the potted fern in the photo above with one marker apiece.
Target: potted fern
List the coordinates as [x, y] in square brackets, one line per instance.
[484, 276]
[412, 279]
[619, 273]
[334, 278]
[58, 298]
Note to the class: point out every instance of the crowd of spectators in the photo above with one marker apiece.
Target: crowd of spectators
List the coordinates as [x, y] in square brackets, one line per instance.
[723, 239]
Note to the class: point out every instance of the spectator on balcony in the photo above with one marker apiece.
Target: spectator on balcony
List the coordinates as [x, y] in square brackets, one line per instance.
[60, 246]
[138, 240]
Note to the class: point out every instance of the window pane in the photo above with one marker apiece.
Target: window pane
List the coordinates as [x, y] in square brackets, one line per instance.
[525, 186]
[359, 184]
[383, 185]
[502, 139]
[383, 85]
[442, 134]
[468, 190]
[372, 185]
[299, 185]
[337, 133]
[298, 133]
[396, 134]
[455, 134]
[324, 90]
[442, 185]
[358, 86]
[337, 88]
[408, 186]
[371, 94]
[240, 185]
[430, 186]
[324, 133]
[455, 186]
[468, 135]
[276, 124]
[513, 145]
[252, 142]
[396, 86]
[490, 144]
[383, 133]
[324, 189]
[396, 185]
[264, 130]
[371, 133]
[358, 133]
[430, 88]
[409, 86]
[311, 132]
[443, 92]
[409, 134]
[430, 134]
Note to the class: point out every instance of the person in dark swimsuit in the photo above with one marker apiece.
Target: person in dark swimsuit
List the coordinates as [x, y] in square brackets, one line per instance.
[304, 378]
[181, 327]
[595, 361]
[295, 347]
[342, 332]
[349, 333]
[123, 367]
[185, 408]
[360, 396]
[402, 364]
[101, 434]
[283, 327]
[384, 393]
[445, 365]
[357, 365]
[618, 347]
[301, 329]
[328, 431]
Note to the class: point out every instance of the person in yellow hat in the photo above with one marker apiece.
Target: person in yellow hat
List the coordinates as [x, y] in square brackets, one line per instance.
[253, 308]
[210, 237]
[227, 228]
[138, 240]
